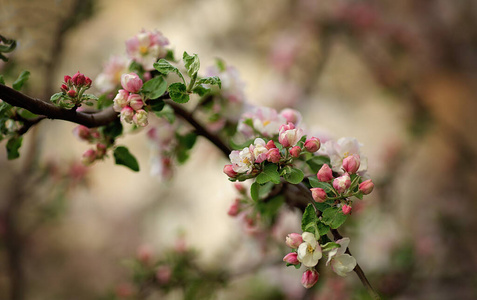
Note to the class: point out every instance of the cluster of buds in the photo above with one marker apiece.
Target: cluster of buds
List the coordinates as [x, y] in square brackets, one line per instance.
[247, 162]
[129, 103]
[343, 186]
[307, 251]
[72, 91]
[92, 136]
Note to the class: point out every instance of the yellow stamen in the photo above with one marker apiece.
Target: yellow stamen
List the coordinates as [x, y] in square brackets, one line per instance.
[265, 123]
[143, 49]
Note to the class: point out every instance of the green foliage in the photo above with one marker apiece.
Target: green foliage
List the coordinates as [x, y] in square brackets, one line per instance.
[2, 80]
[254, 191]
[214, 80]
[22, 78]
[178, 92]
[334, 217]
[309, 220]
[269, 173]
[122, 156]
[112, 130]
[192, 64]
[155, 87]
[167, 112]
[186, 142]
[13, 144]
[314, 182]
[7, 46]
[330, 246]
[316, 162]
[294, 175]
[164, 67]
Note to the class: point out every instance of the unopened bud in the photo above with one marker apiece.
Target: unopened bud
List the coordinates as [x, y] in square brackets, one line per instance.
[131, 82]
[135, 101]
[82, 132]
[309, 278]
[229, 171]
[127, 114]
[366, 187]
[121, 100]
[295, 151]
[78, 79]
[88, 157]
[240, 188]
[234, 208]
[71, 93]
[100, 150]
[270, 144]
[346, 209]
[325, 174]
[351, 163]
[273, 155]
[293, 240]
[64, 88]
[291, 258]
[140, 118]
[342, 183]
[312, 144]
[318, 194]
[67, 79]
[87, 81]
[163, 274]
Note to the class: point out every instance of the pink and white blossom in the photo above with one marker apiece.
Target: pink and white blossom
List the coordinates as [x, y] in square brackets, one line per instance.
[366, 186]
[242, 161]
[294, 240]
[339, 150]
[135, 101]
[131, 82]
[140, 118]
[110, 77]
[341, 262]
[309, 278]
[121, 100]
[288, 135]
[309, 252]
[127, 114]
[342, 183]
[146, 48]
[266, 121]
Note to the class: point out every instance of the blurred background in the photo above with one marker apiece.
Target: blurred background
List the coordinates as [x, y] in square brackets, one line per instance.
[400, 76]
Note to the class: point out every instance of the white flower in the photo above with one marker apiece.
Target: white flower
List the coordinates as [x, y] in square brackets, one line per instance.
[242, 161]
[341, 262]
[259, 150]
[309, 252]
[339, 150]
[265, 120]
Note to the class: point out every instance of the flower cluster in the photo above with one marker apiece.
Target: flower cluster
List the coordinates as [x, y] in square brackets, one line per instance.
[92, 136]
[307, 251]
[339, 150]
[72, 91]
[110, 78]
[129, 103]
[146, 47]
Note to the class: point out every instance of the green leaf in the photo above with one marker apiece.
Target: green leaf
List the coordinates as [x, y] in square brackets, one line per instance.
[122, 156]
[167, 112]
[323, 229]
[155, 87]
[186, 142]
[164, 67]
[316, 162]
[210, 80]
[170, 55]
[269, 173]
[220, 64]
[333, 217]
[314, 182]
[200, 90]
[330, 246]
[112, 130]
[13, 144]
[2, 80]
[17, 85]
[254, 191]
[309, 219]
[89, 97]
[192, 63]
[178, 92]
[359, 195]
[156, 105]
[55, 97]
[294, 176]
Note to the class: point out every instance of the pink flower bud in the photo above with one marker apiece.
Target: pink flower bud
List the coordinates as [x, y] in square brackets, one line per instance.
[67, 79]
[82, 132]
[100, 150]
[234, 208]
[229, 171]
[288, 135]
[121, 100]
[293, 240]
[127, 114]
[71, 93]
[144, 254]
[318, 194]
[309, 278]
[270, 144]
[291, 115]
[366, 187]
[88, 81]
[273, 155]
[163, 274]
[140, 118]
[295, 151]
[312, 144]
[64, 88]
[78, 79]
[351, 163]
[131, 82]
[240, 188]
[346, 209]
[291, 258]
[88, 157]
[342, 183]
[325, 174]
[135, 101]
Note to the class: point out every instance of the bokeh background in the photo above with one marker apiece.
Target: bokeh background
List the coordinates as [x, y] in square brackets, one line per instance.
[400, 76]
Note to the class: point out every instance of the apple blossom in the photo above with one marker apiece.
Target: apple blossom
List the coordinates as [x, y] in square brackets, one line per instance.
[346, 209]
[271, 144]
[266, 121]
[82, 132]
[88, 157]
[325, 174]
[259, 150]
[293, 240]
[140, 118]
[273, 155]
[127, 114]
[366, 186]
[351, 163]
[110, 77]
[121, 100]
[234, 208]
[295, 151]
[312, 144]
[309, 252]
[342, 183]
[242, 161]
[291, 115]
[291, 258]
[309, 278]
[341, 262]
[131, 82]
[318, 194]
[289, 135]
[339, 150]
[135, 101]
[229, 171]
[146, 47]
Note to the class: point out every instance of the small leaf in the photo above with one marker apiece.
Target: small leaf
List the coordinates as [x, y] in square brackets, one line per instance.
[164, 67]
[178, 92]
[192, 63]
[167, 112]
[200, 90]
[55, 97]
[269, 173]
[122, 156]
[89, 97]
[155, 87]
[314, 182]
[112, 130]
[330, 246]
[334, 217]
[17, 85]
[156, 105]
[316, 162]
[359, 195]
[2, 80]
[323, 229]
[13, 144]
[210, 80]
[309, 217]
[254, 191]
[294, 176]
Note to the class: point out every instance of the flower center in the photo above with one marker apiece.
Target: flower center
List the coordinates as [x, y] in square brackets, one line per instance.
[346, 154]
[265, 123]
[143, 49]
[310, 249]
